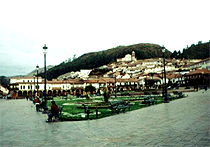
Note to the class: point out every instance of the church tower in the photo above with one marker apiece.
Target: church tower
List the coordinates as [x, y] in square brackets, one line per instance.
[133, 56]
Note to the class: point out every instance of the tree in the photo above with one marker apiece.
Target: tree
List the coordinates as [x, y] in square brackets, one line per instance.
[74, 57]
[4, 81]
[179, 55]
[184, 54]
[69, 59]
[199, 42]
[90, 89]
[174, 55]
[106, 95]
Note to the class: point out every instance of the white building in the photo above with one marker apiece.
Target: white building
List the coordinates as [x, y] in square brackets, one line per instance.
[25, 86]
[24, 79]
[201, 64]
[128, 58]
[3, 90]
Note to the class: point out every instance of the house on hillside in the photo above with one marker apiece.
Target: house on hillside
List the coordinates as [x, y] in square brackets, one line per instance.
[205, 63]
[83, 74]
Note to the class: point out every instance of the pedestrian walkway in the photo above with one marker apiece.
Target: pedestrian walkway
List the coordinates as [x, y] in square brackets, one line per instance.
[183, 122]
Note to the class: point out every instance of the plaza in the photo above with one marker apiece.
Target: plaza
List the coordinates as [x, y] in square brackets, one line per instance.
[183, 122]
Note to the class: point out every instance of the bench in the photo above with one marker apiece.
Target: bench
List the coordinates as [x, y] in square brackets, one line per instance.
[115, 106]
[119, 106]
[88, 112]
[58, 116]
[148, 101]
[41, 107]
[178, 94]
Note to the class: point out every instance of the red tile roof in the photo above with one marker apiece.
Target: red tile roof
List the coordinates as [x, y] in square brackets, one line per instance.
[199, 71]
[23, 77]
[128, 80]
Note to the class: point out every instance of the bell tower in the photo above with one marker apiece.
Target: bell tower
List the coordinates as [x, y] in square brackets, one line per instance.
[133, 56]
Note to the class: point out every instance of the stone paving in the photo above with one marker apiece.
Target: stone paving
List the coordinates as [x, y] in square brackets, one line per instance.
[183, 122]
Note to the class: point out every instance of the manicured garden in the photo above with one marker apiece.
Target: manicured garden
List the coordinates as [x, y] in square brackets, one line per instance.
[76, 108]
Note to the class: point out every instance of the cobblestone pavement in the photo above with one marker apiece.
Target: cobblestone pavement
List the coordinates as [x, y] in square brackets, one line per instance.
[183, 122]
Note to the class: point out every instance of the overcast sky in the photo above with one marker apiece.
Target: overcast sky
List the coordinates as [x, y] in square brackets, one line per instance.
[71, 27]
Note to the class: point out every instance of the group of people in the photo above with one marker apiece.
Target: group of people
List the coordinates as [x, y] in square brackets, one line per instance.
[53, 112]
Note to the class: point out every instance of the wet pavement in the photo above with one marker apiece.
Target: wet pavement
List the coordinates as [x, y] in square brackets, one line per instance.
[183, 122]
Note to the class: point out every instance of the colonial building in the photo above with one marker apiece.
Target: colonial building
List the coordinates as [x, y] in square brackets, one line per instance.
[29, 86]
[198, 77]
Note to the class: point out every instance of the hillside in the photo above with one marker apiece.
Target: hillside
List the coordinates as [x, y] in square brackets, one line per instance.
[198, 51]
[40, 70]
[96, 59]
[195, 51]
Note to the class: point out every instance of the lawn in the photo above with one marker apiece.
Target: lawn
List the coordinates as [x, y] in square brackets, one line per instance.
[72, 106]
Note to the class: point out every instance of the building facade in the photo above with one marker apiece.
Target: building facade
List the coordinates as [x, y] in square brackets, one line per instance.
[29, 86]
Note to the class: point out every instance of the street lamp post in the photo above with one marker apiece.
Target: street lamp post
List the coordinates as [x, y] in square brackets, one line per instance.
[45, 75]
[115, 81]
[37, 80]
[165, 94]
[34, 85]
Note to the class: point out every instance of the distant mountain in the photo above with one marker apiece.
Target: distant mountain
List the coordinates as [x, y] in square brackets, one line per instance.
[41, 70]
[97, 59]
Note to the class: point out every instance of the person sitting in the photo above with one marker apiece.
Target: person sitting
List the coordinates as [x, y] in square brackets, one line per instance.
[54, 111]
[43, 105]
[37, 102]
